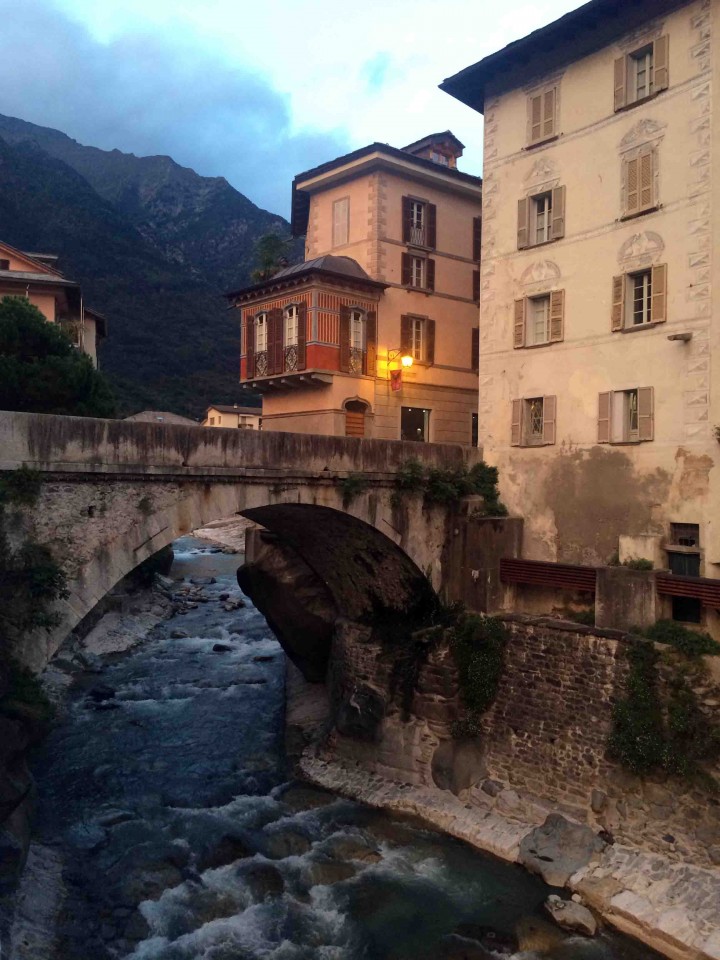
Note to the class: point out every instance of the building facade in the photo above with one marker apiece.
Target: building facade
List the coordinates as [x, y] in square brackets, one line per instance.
[599, 299]
[233, 417]
[391, 270]
[36, 277]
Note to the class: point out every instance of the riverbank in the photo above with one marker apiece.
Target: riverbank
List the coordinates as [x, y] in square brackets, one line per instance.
[673, 908]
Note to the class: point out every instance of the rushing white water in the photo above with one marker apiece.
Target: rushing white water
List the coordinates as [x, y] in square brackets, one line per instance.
[166, 797]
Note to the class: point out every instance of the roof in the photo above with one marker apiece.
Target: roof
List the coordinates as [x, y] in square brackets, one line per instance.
[329, 267]
[443, 136]
[37, 277]
[234, 408]
[578, 34]
[301, 201]
[31, 257]
[160, 416]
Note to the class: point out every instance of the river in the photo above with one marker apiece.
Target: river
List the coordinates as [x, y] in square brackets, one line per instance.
[164, 794]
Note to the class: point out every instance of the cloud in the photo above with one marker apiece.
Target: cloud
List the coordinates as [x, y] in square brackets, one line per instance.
[376, 71]
[156, 94]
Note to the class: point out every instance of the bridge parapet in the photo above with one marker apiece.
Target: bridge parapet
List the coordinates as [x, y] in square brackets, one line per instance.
[59, 444]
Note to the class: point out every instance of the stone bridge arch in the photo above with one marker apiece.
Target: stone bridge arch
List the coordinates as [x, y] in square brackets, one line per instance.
[116, 492]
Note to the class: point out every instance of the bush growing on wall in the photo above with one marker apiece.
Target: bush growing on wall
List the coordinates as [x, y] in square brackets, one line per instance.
[448, 486]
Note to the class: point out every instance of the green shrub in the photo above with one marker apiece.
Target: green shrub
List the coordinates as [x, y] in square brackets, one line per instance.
[352, 486]
[449, 485]
[638, 563]
[689, 642]
[25, 699]
[478, 646]
[585, 617]
[20, 487]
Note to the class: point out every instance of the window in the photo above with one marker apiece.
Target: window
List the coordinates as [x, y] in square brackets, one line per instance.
[642, 73]
[261, 333]
[542, 116]
[640, 183]
[533, 422]
[4, 264]
[639, 298]
[539, 320]
[219, 420]
[476, 286]
[626, 416]
[212, 421]
[415, 424]
[474, 431]
[477, 237]
[541, 218]
[341, 222]
[419, 222]
[417, 338]
[357, 330]
[475, 350]
[685, 534]
[291, 326]
[439, 158]
[418, 272]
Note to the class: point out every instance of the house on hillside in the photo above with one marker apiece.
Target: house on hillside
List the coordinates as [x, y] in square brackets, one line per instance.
[233, 417]
[35, 276]
[375, 333]
[598, 338]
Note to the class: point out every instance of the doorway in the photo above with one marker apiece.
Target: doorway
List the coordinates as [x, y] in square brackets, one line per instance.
[415, 424]
[355, 411]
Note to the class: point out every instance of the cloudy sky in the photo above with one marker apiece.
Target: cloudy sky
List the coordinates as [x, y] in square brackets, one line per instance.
[252, 91]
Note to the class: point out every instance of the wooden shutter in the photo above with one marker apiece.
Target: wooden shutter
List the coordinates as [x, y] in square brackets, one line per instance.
[476, 285]
[275, 341]
[406, 271]
[549, 407]
[406, 219]
[632, 185]
[344, 339]
[431, 228]
[429, 274]
[646, 163]
[618, 303]
[658, 283]
[661, 73]
[549, 110]
[620, 82]
[646, 418]
[477, 237]
[523, 223]
[371, 343]
[250, 346]
[557, 316]
[354, 424]
[475, 349]
[603, 424]
[430, 341]
[519, 323]
[536, 118]
[405, 334]
[558, 213]
[302, 335]
[516, 423]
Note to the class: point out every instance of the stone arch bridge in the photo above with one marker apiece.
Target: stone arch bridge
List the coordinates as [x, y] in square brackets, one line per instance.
[116, 492]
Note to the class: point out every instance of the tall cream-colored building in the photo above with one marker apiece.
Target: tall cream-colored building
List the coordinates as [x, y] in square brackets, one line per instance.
[599, 325]
[391, 270]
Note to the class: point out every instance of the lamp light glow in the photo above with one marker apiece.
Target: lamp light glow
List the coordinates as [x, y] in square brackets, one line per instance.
[406, 361]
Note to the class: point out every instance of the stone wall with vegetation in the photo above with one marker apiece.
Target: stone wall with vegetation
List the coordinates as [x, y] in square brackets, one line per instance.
[552, 738]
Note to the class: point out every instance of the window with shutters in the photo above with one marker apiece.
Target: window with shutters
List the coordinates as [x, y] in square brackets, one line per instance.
[291, 326]
[357, 341]
[639, 298]
[539, 320]
[626, 416]
[642, 74]
[341, 222]
[542, 116]
[640, 183]
[533, 422]
[541, 218]
[261, 333]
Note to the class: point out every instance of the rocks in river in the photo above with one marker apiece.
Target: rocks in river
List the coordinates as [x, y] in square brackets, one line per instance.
[178, 634]
[571, 916]
[101, 693]
[353, 848]
[286, 842]
[221, 647]
[325, 872]
[263, 659]
[558, 848]
[492, 940]
[202, 581]
[536, 935]
[224, 596]
[230, 605]
[263, 879]
[236, 626]
[302, 797]
[215, 633]
[226, 850]
[86, 836]
[112, 817]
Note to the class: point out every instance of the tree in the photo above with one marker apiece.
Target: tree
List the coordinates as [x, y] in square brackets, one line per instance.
[270, 253]
[40, 369]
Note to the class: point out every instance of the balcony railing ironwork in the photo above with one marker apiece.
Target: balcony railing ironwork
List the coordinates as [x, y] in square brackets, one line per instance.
[291, 358]
[417, 236]
[357, 360]
[261, 363]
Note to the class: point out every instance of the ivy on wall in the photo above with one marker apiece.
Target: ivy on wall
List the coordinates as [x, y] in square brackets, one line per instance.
[449, 486]
[478, 645]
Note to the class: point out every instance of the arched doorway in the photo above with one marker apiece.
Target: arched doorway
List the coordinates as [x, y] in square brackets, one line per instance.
[355, 418]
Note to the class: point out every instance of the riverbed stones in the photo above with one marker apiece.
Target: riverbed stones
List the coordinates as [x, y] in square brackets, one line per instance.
[571, 916]
[179, 634]
[263, 880]
[228, 849]
[326, 872]
[559, 848]
[302, 797]
[101, 693]
[285, 842]
[353, 848]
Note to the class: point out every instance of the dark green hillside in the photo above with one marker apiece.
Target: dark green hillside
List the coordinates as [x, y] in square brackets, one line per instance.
[172, 344]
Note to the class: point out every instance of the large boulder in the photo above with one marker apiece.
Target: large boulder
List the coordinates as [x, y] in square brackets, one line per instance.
[360, 713]
[457, 765]
[559, 848]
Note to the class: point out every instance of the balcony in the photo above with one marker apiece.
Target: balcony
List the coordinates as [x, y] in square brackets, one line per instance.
[358, 361]
[417, 236]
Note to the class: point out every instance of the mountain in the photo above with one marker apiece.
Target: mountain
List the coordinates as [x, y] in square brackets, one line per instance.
[153, 244]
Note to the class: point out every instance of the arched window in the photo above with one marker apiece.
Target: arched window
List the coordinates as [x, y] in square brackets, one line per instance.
[357, 330]
[291, 326]
[261, 333]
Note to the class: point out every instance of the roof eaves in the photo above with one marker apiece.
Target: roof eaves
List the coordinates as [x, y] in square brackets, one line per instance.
[297, 279]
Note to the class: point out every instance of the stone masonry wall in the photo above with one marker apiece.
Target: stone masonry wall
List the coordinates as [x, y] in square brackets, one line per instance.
[543, 746]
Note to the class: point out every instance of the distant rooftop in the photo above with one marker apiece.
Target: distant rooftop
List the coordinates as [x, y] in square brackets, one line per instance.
[338, 268]
[234, 408]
